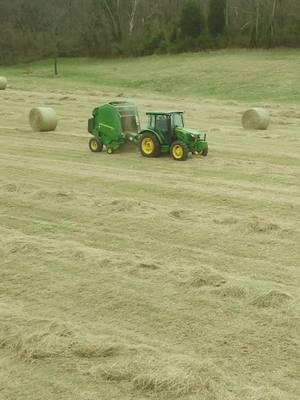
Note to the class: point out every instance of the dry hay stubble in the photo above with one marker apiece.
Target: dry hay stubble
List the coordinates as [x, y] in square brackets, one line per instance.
[52, 340]
[273, 298]
[159, 375]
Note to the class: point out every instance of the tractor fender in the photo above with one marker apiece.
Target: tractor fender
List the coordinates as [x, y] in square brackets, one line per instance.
[158, 136]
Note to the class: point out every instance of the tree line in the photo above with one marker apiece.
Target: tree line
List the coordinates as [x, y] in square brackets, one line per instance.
[36, 29]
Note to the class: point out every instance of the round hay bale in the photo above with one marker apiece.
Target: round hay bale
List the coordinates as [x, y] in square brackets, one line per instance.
[256, 118]
[3, 83]
[43, 119]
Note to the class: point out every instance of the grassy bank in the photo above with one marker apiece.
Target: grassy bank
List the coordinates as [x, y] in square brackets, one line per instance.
[239, 75]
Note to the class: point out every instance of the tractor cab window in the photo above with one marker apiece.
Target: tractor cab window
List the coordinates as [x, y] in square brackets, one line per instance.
[162, 123]
[178, 120]
[151, 121]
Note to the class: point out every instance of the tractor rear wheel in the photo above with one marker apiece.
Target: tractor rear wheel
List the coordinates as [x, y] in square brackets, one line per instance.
[204, 152]
[179, 151]
[95, 145]
[149, 145]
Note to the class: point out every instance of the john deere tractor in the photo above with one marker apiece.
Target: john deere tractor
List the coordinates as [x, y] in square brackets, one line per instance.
[117, 123]
[166, 134]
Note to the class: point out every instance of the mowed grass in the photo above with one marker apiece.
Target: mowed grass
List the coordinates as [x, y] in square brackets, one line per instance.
[243, 75]
[129, 278]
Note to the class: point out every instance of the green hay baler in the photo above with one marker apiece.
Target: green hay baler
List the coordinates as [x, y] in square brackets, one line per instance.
[113, 124]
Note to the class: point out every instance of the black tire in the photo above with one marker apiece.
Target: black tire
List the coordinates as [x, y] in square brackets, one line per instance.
[204, 152]
[95, 145]
[149, 145]
[179, 151]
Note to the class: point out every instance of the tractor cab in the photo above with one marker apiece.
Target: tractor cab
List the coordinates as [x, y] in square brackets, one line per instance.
[165, 123]
[166, 133]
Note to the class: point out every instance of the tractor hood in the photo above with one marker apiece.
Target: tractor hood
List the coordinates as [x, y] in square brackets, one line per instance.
[192, 133]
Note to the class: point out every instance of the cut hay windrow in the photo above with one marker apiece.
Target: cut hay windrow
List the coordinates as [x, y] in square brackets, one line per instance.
[43, 119]
[3, 83]
[256, 118]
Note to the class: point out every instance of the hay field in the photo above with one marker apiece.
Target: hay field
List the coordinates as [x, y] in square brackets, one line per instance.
[130, 278]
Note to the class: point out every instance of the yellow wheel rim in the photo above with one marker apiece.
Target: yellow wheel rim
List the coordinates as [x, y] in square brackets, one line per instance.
[148, 146]
[109, 151]
[94, 145]
[177, 151]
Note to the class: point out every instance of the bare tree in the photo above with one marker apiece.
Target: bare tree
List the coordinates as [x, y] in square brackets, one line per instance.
[132, 15]
[33, 29]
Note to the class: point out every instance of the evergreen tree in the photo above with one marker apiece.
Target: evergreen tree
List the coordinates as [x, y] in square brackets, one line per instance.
[192, 21]
[216, 17]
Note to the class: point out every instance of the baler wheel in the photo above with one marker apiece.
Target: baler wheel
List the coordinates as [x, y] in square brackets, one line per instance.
[95, 145]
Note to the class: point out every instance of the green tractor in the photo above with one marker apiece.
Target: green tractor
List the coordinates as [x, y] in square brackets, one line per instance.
[117, 123]
[166, 134]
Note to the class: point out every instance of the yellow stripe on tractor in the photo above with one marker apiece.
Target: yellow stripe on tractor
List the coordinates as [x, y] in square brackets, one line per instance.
[107, 126]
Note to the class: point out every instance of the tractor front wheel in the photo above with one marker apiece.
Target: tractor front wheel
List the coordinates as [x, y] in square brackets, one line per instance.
[179, 151]
[149, 145]
[204, 152]
[95, 145]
